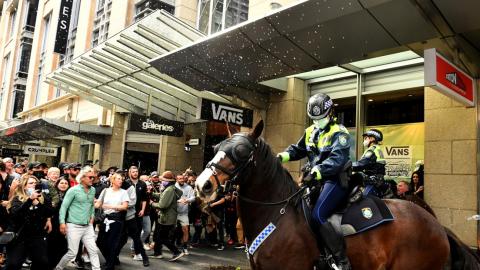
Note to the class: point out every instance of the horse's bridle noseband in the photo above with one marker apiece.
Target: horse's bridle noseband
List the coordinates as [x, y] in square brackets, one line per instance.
[234, 176]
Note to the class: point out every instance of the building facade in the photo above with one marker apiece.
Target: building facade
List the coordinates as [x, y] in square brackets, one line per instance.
[105, 77]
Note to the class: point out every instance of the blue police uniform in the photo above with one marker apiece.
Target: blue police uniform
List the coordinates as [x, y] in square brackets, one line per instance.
[327, 151]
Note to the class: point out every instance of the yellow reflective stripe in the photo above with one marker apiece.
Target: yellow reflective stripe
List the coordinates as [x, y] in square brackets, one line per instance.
[325, 139]
[308, 134]
[378, 152]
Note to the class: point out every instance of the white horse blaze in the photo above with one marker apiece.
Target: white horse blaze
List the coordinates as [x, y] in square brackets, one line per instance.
[209, 172]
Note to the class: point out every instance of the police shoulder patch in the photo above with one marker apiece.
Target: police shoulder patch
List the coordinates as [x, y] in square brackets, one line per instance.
[343, 139]
[368, 154]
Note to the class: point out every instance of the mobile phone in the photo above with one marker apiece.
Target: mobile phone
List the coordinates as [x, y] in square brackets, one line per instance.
[38, 187]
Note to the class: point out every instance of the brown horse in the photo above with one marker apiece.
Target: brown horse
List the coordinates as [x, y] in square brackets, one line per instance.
[414, 240]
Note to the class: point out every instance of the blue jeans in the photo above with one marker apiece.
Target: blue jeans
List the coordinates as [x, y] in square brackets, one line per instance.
[332, 195]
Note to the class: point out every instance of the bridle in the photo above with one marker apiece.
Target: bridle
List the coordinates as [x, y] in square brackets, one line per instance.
[234, 176]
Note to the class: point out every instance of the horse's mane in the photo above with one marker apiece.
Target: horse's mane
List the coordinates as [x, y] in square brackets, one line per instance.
[271, 168]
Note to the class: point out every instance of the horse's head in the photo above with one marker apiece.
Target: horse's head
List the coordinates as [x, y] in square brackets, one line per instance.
[232, 157]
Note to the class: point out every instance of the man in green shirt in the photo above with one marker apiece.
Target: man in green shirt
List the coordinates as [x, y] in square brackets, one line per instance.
[78, 226]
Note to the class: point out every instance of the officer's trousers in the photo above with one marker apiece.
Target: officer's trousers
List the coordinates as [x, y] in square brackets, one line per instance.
[331, 196]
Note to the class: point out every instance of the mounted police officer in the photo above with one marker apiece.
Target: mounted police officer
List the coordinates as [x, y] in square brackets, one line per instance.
[326, 144]
[372, 163]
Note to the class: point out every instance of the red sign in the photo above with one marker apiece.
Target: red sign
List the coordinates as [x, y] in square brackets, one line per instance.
[447, 78]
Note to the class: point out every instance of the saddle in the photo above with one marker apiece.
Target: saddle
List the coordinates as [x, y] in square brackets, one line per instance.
[358, 215]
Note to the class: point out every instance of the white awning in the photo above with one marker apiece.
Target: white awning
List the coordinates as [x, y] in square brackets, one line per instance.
[117, 72]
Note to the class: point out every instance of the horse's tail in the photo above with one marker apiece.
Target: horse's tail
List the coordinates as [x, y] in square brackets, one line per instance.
[461, 256]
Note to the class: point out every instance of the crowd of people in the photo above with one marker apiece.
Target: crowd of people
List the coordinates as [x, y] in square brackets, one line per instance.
[75, 214]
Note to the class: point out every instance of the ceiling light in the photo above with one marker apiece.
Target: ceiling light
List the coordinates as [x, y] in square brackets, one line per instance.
[370, 100]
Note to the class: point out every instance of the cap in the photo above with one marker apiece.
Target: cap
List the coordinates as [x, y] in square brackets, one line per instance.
[168, 176]
[18, 165]
[74, 166]
[34, 164]
[154, 174]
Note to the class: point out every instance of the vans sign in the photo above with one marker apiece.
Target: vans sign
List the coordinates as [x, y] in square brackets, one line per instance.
[38, 150]
[156, 125]
[222, 112]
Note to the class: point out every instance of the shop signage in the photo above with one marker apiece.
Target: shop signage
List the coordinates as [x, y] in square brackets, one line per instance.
[194, 142]
[63, 26]
[155, 125]
[221, 112]
[39, 150]
[398, 159]
[449, 79]
[7, 152]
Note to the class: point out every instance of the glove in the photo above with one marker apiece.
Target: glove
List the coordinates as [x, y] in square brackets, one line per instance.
[283, 157]
[315, 173]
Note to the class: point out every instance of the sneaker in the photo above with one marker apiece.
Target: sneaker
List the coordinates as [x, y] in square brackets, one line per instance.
[221, 248]
[146, 247]
[240, 246]
[137, 257]
[146, 262]
[159, 256]
[85, 258]
[185, 250]
[79, 264]
[176, 257]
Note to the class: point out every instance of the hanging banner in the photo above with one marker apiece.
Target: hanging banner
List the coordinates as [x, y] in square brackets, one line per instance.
[156, 125]
[403, 145]
[63, 26]
[449, 79]
[222, 112]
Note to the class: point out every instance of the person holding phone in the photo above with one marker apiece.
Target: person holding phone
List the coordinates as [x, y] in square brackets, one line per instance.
[31, 221]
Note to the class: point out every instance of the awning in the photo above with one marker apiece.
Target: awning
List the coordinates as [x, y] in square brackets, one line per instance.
[46, 129]
[315, 34]
[118, 71]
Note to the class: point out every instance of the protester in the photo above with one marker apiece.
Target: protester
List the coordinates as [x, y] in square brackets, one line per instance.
[146, 222]
[416, 184]
[9, 168]
[167, 218]
[133, 221]
[57, 244]
[114, 202]
[73, 170]
[53, 174]
[31, 221]
[76, 219]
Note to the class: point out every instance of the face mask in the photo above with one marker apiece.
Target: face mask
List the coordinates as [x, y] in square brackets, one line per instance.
[39, 174]
[321, 123]
[165, 183]
[366, 143]
[29, 191]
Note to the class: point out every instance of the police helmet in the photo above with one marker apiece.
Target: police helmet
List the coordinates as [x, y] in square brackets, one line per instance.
[375, 133]
[319, 106]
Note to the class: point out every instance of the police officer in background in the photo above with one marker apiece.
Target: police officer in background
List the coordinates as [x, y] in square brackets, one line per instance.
[326, 144]
[372, 163]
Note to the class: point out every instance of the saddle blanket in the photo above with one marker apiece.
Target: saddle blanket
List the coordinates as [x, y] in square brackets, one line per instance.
[362, 215]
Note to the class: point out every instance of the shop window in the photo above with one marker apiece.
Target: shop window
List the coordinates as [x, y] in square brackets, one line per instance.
[345, 111]
[395, 108]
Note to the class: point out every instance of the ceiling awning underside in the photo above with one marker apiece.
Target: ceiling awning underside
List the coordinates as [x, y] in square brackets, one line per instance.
[316, 34]
[117, 72]
[45, 129]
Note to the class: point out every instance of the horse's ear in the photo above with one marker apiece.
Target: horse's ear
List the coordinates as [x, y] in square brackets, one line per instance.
[257, 131]
[230, 130]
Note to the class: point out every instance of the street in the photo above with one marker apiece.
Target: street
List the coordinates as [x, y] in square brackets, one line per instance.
[198, 258]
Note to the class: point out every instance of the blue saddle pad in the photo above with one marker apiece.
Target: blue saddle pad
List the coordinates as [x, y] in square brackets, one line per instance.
[366, 214]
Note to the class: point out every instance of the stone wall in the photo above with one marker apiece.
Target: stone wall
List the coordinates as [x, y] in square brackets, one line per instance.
[286, 118]
[451, 177]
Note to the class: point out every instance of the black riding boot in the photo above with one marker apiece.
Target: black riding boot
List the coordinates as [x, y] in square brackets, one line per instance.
[335, 243]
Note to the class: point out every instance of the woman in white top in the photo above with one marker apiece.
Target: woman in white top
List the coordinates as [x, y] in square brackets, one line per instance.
[114, 202]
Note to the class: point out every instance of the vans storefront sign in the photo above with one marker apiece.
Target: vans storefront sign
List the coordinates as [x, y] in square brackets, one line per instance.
[221, 112]
[39, 150]
[156, 125]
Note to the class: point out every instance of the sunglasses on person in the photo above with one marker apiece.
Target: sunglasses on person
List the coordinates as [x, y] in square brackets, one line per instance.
[91, 177]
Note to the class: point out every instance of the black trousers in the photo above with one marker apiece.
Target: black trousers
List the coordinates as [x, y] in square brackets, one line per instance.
[165, 236]
[35, 248]
[57, 247]
[130, 229]
[108, 242]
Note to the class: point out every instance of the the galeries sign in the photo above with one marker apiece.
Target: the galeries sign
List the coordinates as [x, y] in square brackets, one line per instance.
[222, 112]
[39, 150]
[156, 125]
